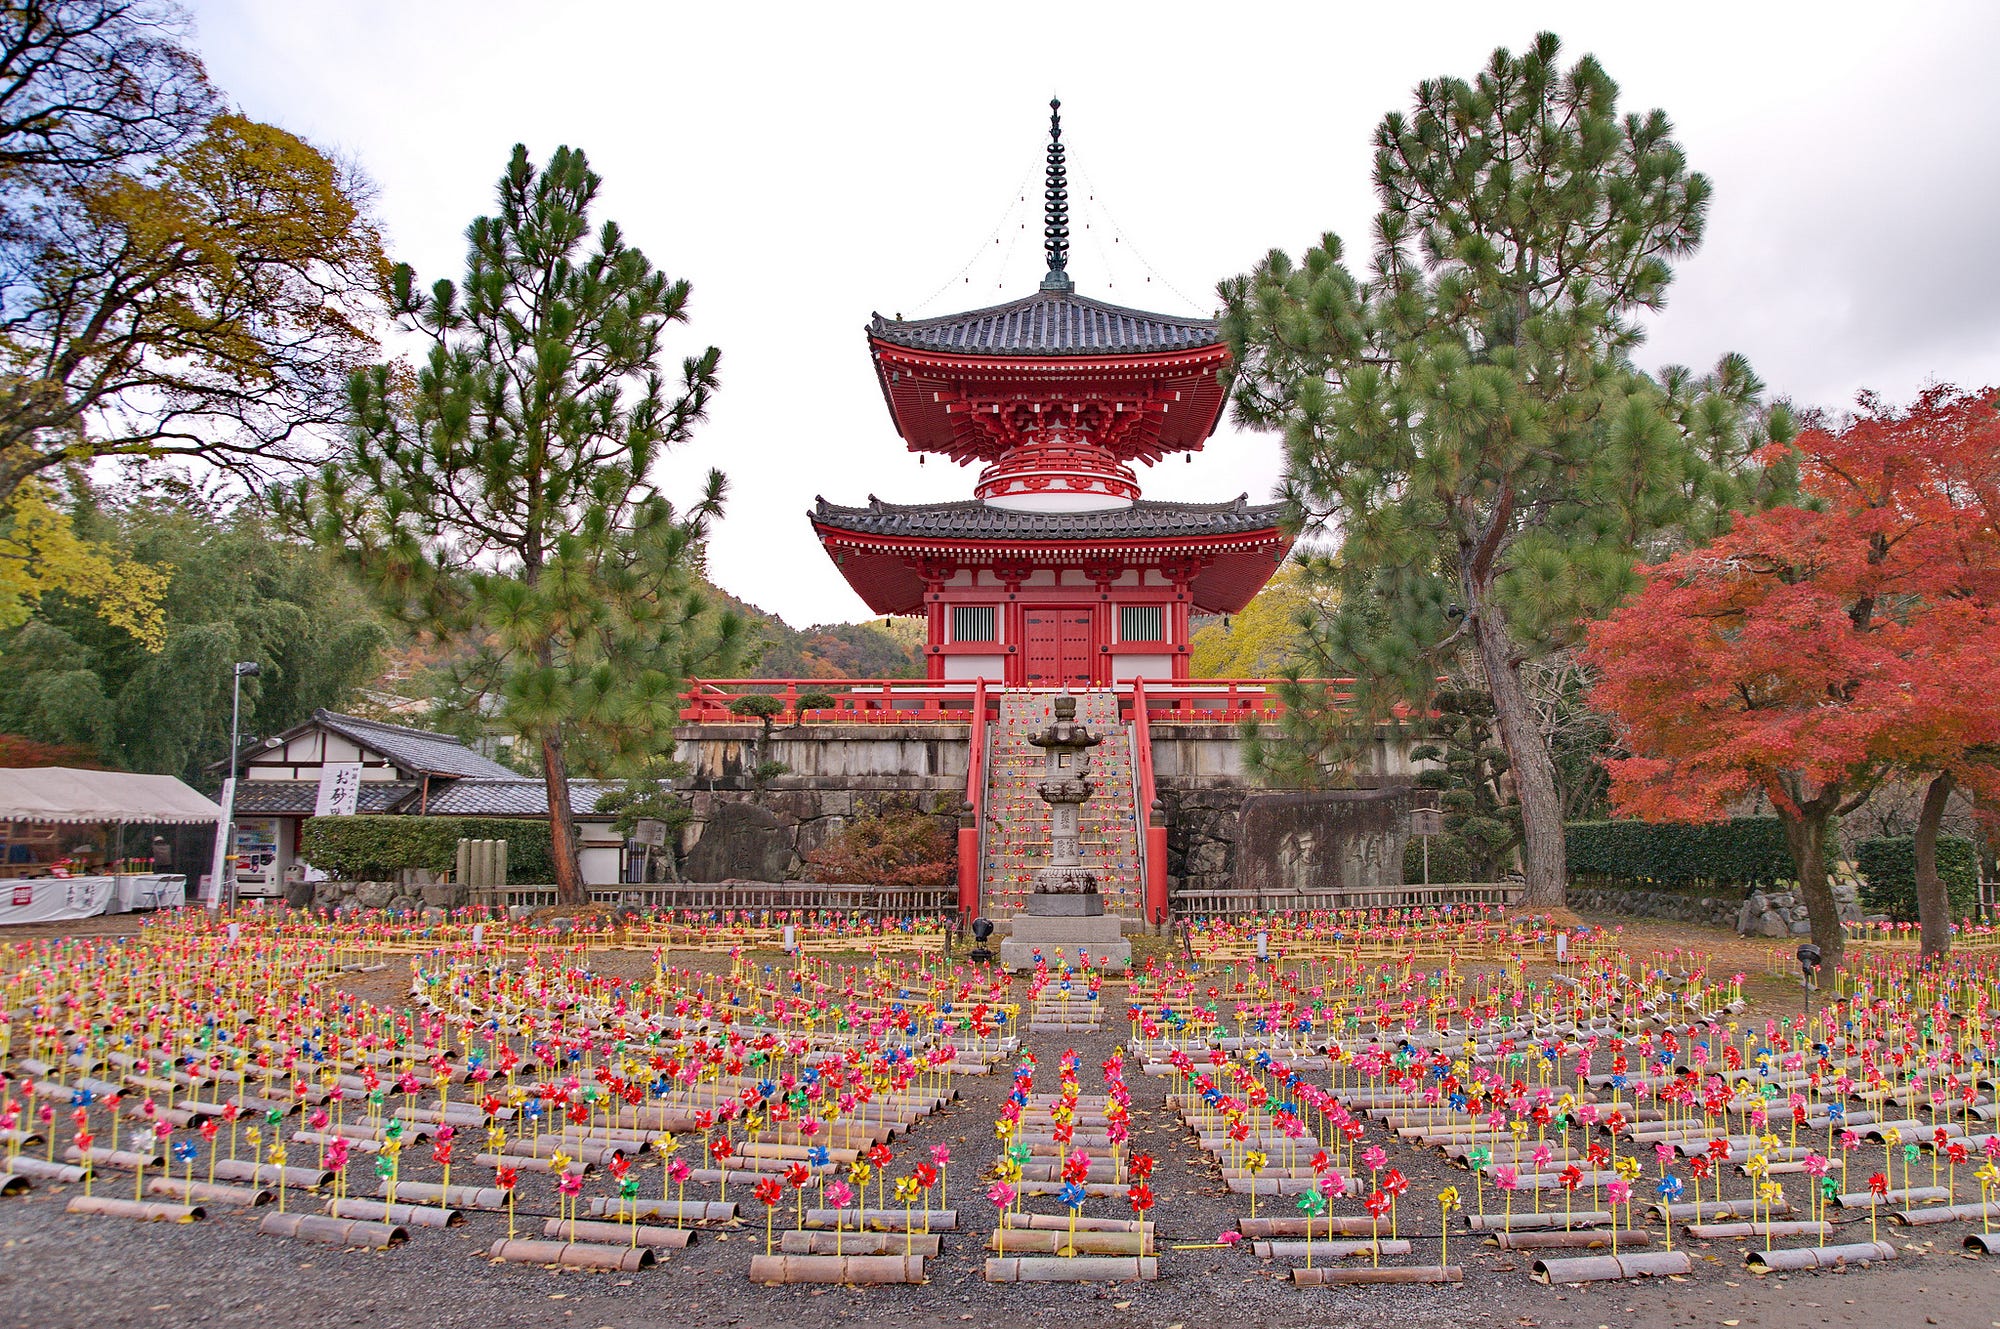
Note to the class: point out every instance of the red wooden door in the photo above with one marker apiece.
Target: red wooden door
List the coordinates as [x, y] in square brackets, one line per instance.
[1058, 646]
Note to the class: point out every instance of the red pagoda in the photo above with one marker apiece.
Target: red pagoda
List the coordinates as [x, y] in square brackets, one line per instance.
[1056, 573]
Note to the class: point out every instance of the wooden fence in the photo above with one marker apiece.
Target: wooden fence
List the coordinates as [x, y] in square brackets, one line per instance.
[1244, 904]
[755, 897]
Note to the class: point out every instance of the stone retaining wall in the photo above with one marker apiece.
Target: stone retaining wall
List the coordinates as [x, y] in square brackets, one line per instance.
[1751, 913]
[421, 892]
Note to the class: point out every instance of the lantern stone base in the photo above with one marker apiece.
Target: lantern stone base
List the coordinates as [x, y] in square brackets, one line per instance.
[1076, 925]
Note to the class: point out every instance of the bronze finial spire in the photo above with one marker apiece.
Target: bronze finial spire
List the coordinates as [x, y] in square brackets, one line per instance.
[1055, 207]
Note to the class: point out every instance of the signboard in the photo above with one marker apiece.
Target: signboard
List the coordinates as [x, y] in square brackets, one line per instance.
[339, 789]
[1426, 821]
[651, 833]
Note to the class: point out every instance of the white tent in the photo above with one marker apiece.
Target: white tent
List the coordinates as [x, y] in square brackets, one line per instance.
[60, 794]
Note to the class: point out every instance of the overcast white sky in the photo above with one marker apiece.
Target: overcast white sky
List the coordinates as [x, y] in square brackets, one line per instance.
[806, 165]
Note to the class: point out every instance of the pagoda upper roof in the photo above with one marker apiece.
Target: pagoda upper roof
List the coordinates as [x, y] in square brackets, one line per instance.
[1049, 323]
[974, 520]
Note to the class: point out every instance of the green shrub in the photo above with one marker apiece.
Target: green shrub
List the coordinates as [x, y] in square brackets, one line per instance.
[1744, 851]
[1889, 866]
[1450, 861]
[898, 845]
[377, 848]
[761, 705]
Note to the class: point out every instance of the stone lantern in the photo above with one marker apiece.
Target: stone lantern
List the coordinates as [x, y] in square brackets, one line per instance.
[1064, 912]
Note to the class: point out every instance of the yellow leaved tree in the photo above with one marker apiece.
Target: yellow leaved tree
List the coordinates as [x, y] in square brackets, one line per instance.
[1260, 642]
[40, 552]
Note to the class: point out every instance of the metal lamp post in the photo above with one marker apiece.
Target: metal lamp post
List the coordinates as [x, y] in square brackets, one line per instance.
[225, 830]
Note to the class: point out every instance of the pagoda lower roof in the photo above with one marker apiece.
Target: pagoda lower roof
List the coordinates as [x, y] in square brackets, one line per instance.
[885, 550]
[1049, 323]
[973, 520]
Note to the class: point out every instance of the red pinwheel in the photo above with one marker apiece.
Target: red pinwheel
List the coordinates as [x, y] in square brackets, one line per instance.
[768, 1191]
[1377, 1204]
[1140, 1197]
[1141, 1166]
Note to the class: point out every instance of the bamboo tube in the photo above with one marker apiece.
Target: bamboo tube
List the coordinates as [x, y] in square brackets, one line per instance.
[145, 1210]
[333, 1231]
[573, 1255]
[861, 1243]
[1072, 1269]
[1820, 1257]
[858, 1269]
[408, 1215]
[659, 1238]
[1408, 1273]
[1584, 1238]
[1600, 1268]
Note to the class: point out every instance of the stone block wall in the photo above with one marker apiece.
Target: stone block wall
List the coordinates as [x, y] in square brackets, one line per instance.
[1229, 837]
[1750, 913]
[834, 773]
[418, 891]
[765, 835]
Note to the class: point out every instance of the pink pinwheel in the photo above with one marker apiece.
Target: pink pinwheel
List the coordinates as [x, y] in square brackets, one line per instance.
[838, 1194]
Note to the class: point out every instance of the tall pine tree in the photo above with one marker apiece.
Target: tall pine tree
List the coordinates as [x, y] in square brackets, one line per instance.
[500, 498]
[1467, 416]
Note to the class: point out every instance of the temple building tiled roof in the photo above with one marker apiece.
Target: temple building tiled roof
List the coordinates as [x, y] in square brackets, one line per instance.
[973, 520]
[515, 797]
[1049, 323]
[266, 798]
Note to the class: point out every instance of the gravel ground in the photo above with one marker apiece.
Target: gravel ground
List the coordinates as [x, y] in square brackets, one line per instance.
[57, 1269]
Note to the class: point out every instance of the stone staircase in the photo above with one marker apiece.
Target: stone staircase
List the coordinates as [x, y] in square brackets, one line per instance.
[1016, 835]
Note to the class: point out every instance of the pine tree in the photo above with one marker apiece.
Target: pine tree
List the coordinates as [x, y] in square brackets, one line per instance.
[1468, 417]
[500, 497]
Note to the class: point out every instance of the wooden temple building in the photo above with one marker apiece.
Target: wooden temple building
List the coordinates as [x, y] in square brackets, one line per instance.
[1056, 572]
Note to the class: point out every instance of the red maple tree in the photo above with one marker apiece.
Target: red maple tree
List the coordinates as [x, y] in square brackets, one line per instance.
[1815, 650]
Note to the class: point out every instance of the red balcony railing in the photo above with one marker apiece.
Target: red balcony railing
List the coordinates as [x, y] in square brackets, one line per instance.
[865, 701]
[920, 701]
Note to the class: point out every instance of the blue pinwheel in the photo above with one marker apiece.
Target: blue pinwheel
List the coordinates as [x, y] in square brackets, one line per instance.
[1072, 1195]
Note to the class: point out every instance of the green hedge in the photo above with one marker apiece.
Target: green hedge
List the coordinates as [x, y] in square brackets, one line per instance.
[1450, 861]
[1745, 851]
[377, 848]
[1890, 868]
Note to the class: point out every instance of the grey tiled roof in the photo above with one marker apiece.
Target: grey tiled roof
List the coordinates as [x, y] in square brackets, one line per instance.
[274, 797]
[515, 796]
[973, 520]
[418, 751]
[1049, 323]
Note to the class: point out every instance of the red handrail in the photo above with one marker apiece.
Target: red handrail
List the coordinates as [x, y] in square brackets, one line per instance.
[1153, 837]
[975, 798]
